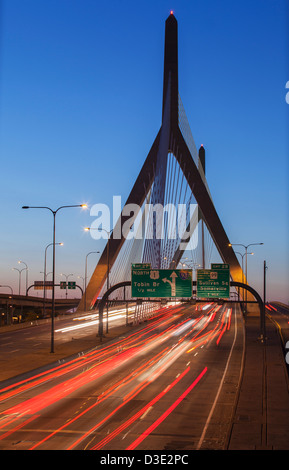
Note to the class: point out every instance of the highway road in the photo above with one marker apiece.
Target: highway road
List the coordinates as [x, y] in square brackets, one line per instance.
[37, 335]
[279, 314]
[169, 384]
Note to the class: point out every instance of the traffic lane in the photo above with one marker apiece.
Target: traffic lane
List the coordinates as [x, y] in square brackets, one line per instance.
[93, 357]
[280, 316]
[89, 359]
[35, 342]
[40, 334]
[281, 307]
[131, 402]
[138, 415]
[32, 336]
[62, 412]
[158, 403]
[22, 410]
[66, 329]
[26, 400]
[100, 353]
[177, 421]
[80, 325]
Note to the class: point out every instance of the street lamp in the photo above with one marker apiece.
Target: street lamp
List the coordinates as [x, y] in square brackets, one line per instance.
[246, 253]
[81, 277]
[53, 269]
[19, 262]
[19, 273]
[192, 265]
[45, 276]
[242, 256]
[87, 229]
[83, 283]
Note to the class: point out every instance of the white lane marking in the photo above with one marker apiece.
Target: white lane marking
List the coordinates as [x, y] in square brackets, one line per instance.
[146, 412]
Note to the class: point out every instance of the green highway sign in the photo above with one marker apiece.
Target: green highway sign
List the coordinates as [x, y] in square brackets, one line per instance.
[214, 282]
[71, 285]
[62, 285]
[219, 266]
[147, 282]
[141, 266]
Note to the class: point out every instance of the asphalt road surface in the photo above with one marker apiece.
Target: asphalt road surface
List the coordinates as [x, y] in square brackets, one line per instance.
[170, 385]
[279, 314]
[13, 342]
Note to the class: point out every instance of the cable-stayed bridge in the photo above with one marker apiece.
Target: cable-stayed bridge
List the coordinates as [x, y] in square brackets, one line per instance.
[181, 381]
[174, 217]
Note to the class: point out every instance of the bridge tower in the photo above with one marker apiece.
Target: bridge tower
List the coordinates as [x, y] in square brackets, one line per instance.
[173, 156]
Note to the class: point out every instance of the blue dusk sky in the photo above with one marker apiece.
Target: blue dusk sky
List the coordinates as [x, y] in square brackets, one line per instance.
[80, 106]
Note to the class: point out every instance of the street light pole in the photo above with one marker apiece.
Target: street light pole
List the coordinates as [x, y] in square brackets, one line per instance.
[81, 277]
[19, 279]
[53, 262]
[26, 274]
[263, 316]
[45, 275]
[194, 267]
[107, 278]
[246, 253]
[242, 256]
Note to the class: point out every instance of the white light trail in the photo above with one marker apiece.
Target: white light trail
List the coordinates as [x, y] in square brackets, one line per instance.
[87, 324]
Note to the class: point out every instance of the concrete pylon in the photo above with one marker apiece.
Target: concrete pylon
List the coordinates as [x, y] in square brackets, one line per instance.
[169, 139]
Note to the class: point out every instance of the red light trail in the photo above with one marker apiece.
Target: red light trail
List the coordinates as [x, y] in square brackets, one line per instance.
[182, 332]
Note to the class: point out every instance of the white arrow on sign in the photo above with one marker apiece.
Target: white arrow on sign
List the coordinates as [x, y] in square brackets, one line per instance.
[172, 283]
